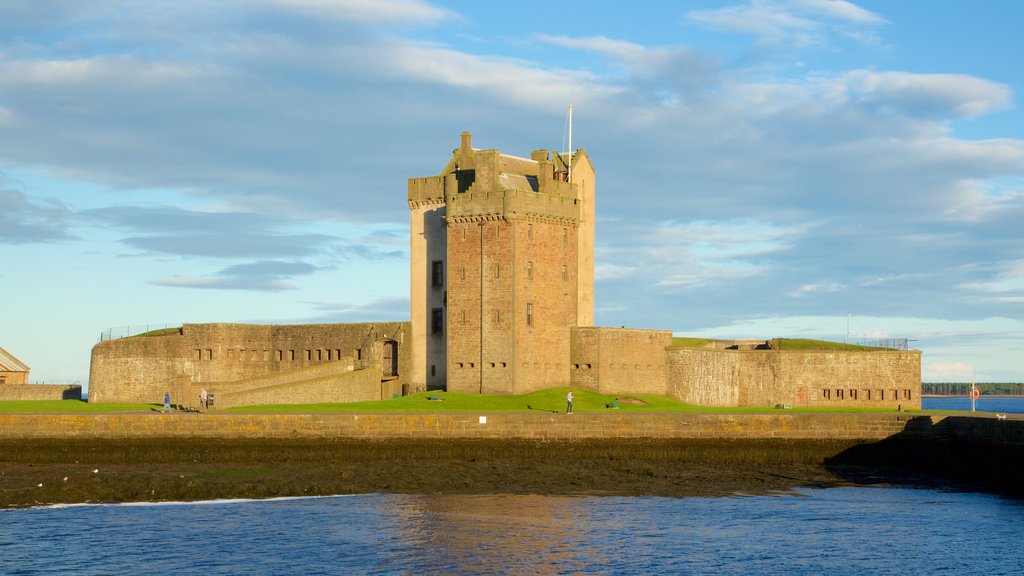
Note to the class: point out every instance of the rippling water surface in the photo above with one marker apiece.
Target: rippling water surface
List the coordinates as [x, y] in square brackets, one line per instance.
[1007, 404]
[869, 530]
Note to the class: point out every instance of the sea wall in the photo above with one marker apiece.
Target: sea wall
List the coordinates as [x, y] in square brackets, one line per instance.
[499, 426]
[826, 378]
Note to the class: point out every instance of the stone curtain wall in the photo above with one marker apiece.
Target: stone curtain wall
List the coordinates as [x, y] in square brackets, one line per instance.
[352, 386]
[619, 360]
[40, 392]
[800, 378]
[496, 426]
[141, 369]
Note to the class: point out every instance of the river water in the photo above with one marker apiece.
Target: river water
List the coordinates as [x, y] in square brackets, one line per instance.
[850, 530]
[1002, 404]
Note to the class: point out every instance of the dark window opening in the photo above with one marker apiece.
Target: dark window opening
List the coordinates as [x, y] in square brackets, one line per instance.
[465, 179]
[534, 183]
[436, 321]
[529, 314]
[437, 273]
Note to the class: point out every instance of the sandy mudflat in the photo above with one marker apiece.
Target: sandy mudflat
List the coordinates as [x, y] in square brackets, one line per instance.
[183, 469]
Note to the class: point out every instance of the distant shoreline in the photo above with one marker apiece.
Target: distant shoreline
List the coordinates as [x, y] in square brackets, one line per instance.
[966, 396]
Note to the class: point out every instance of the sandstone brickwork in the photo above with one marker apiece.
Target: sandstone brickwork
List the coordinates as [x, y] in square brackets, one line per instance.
[620, 360]
[243, 363]
[505, 425]
[883, 378]
[512, 278]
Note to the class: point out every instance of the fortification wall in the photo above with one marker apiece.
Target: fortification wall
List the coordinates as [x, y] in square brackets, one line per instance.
[40, 392]
[619, 360]
[457, 425]
[799, 378]
[142, 369]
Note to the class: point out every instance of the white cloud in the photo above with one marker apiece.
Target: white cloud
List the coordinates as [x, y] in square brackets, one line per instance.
[940, 95]
[799, 23]
[369, 11]
[807, 289]
[947, 371]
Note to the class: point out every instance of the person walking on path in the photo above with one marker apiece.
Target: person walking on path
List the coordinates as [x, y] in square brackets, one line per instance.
[568, 400]
[203, 396]
[167, 403]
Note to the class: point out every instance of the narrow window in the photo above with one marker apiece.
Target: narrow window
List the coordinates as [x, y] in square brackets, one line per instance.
[529, 231]
[436, 321]
[319, 355]
[565, 236]
[826, 394]
[279, 355]
[309, 354]
[337, 354]
[529, 270]
[565, 272]
[199, 354]
[358, 353]
[839, 394]
[853, 394]
[209, 354]
[867, 394]
[906, 394]
[330, 355]
[433, 370]
[881, 394]
[291, 355]
[497, 316]
[462, 272]
[437, 273]
[529, 314]
[463, 316]
[497, 270]
[464, 232]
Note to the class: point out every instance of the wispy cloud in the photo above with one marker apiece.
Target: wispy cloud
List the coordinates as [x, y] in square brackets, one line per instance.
[263, 276]
[798, 22]
[25, 220]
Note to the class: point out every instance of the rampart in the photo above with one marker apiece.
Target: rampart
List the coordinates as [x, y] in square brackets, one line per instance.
[882, 378]
[508, 425]
[40, 392]
[247, 362]
[619, 360]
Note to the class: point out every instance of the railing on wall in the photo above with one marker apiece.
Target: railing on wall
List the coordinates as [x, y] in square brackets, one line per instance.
[139, 330]
[893, 343]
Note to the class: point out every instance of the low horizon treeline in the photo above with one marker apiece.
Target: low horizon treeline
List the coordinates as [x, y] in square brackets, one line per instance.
[963, 388]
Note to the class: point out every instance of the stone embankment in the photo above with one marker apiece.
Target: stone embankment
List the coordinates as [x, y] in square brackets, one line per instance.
[493, 426]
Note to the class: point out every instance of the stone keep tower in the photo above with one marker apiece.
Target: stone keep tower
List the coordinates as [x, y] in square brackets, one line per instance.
[502, 265]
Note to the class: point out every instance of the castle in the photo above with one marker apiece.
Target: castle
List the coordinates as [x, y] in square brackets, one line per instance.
[502, 300]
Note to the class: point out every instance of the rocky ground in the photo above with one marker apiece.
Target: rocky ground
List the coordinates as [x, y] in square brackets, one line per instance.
[34, 472]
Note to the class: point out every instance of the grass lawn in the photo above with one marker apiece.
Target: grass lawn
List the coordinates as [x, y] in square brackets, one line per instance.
[62, 406]
[551, 400]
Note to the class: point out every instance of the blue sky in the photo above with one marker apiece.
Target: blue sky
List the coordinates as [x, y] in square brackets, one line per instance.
[765, 167]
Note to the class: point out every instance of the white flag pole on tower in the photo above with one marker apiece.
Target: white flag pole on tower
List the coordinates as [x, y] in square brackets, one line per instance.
[570, 144]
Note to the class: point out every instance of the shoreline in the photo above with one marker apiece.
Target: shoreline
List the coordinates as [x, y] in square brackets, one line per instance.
[38, 472]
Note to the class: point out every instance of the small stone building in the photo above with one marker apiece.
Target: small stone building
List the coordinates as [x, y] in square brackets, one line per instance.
[12, 370]
[14, 383]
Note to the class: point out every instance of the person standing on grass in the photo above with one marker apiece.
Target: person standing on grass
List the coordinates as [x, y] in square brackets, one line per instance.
[203, 396]
[167, 403]
[568, 400]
